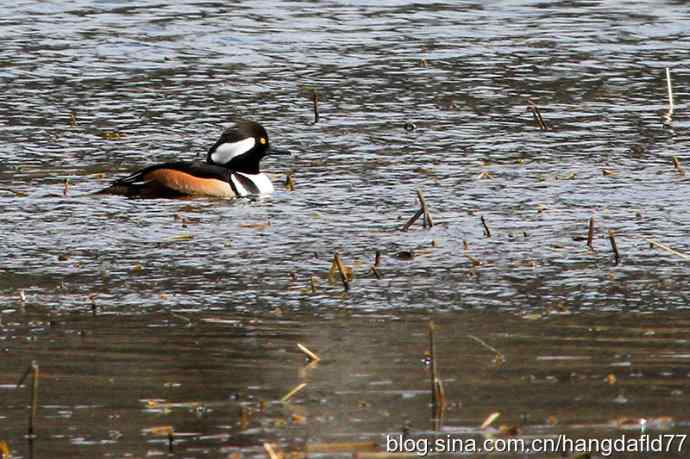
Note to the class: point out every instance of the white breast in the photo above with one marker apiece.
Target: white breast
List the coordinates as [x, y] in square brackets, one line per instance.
[261, 181]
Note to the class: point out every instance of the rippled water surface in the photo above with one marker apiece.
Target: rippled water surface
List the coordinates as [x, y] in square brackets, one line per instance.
[187, 313]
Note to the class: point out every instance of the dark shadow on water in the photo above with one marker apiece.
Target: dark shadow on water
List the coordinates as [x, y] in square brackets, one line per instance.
[110, 382]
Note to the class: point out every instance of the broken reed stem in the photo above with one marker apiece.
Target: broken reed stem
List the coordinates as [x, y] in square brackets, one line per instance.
[677, 166]
[34, 396]
[376, 272]
[315, 99]
[432, 352]
[489, 420]
[670, 93]
[294, 390]
[590, 233]
[487, 231]
[537, 115]
[438, 397]
[34, 370]
[425, 209]
[666, 248]
[270, 451]
[374, 268]
[312, 356]
[414, 218]
[290, 183]
[498, 353]
[614, 246]
[343, 274]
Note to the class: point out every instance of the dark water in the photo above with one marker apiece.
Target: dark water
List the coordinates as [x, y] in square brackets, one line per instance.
[204, 301]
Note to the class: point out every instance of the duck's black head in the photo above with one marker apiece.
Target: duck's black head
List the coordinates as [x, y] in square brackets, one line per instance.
[242, 147]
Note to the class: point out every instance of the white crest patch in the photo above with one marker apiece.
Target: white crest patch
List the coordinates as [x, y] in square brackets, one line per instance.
[228, 150]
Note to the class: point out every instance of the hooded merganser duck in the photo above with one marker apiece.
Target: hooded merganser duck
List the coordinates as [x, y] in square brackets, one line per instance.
[231, 169]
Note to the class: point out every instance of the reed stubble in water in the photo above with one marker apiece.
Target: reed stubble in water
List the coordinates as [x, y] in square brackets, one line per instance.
[375, 267]
[315, 101]
[487, 231]
[438, 395]
[536, 113]
[423, 210]
[337, 262]
[590, 233]
[659, 245]
[289, 183]
[34, 371]
[677, 166]
[614, 247]
[293, 391]
[668, 117]
[311, 355]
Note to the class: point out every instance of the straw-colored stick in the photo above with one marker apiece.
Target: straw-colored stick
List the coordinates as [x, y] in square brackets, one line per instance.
[677, 166]
[434, 368]
[289, 183]
[498, 353]
[310, 354]
[294, 390]
[489, 420]
[671, 105]
[34, 371]
[343, 273]
[666, 248]
[270, 452]
[438, 396]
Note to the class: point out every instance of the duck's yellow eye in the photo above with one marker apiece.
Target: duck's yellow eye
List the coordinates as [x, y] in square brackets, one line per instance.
[262, 140]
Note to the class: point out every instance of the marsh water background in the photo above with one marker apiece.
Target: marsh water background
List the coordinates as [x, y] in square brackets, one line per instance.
[204, 300]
